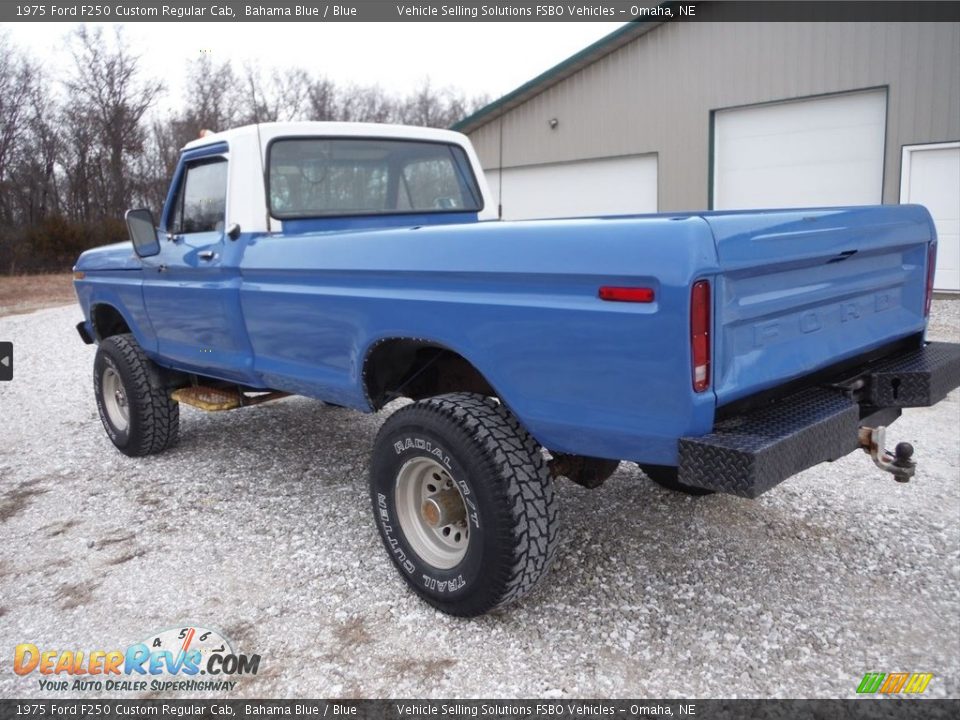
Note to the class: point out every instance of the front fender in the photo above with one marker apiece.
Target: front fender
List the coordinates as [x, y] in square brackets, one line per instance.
[123, 292]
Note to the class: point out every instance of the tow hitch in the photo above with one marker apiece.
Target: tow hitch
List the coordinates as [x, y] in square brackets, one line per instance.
[898, 463]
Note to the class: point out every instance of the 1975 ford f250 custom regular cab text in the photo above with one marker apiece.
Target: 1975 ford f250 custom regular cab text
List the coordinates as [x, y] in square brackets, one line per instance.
[354, 264]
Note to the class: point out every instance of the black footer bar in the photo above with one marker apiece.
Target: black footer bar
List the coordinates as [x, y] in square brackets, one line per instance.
[855, 709]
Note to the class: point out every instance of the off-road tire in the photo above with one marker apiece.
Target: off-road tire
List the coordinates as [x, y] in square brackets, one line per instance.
[666, 477]
[512, 514]
[154, 419]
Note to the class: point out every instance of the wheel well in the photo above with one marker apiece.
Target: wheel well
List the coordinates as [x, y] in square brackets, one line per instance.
[418, 369]
[107, 321]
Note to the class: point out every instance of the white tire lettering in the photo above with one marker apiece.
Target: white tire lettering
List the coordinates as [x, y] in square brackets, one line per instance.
[415, 443]
[388, 531]
[443, 585]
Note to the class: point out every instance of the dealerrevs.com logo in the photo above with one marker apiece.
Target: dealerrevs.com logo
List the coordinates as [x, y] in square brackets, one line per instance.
[189, 659]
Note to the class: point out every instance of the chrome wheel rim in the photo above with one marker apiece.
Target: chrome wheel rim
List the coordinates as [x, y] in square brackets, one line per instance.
[115, 399]
[432, 513]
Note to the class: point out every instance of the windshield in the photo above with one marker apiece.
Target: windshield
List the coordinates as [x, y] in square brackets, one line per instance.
[322, 177]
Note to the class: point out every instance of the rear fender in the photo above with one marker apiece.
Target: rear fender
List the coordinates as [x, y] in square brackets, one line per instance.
[417, 368]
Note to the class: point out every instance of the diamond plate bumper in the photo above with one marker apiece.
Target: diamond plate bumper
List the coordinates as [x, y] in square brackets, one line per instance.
[916, 379]
[748, 454]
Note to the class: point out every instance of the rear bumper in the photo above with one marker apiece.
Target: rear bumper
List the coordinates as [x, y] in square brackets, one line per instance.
[748, 454]
[919, 378]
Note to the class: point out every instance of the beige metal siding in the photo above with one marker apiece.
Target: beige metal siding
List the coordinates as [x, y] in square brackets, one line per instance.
[655, 94]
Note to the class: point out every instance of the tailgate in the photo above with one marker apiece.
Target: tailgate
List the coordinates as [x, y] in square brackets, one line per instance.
[799, 290]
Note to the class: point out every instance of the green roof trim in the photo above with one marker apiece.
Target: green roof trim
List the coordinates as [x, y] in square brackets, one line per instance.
[590, 54]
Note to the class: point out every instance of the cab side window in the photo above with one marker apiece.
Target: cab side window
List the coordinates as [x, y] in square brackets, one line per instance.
[201, 201]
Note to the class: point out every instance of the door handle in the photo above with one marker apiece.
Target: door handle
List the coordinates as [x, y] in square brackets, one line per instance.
[206, 254]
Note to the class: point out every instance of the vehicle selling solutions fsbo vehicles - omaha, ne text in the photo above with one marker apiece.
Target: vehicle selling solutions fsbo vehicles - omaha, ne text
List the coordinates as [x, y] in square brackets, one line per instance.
[352, 263]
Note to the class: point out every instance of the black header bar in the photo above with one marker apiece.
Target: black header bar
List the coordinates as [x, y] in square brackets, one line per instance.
[487, 11]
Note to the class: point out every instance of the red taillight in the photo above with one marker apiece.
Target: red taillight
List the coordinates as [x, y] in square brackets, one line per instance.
[931, 269]
[700, 334]
[627, 294]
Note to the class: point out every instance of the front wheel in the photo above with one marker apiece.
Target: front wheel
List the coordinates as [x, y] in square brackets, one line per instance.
[135, 407]
[463, 502]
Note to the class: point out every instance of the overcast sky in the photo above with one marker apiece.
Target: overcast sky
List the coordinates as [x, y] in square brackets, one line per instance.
[478, 58]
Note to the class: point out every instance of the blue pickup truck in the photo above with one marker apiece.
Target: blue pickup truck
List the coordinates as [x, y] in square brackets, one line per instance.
[357, 264]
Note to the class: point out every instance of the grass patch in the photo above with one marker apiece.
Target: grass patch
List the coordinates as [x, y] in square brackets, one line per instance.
[26, 293]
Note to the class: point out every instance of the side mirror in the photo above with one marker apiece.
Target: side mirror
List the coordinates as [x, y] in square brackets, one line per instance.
[143, 233]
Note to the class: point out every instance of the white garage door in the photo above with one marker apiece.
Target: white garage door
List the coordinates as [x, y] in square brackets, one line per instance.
[609, 186]
[930, 175]
[803, 153]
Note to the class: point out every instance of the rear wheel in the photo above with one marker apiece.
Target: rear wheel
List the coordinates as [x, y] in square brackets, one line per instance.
[133, 401]
[463, 503]
[666, 476]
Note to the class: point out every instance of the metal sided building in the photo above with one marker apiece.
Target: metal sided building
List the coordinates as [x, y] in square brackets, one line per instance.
[688, 116]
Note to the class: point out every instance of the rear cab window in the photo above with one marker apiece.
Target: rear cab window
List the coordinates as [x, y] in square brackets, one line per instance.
[331, 177]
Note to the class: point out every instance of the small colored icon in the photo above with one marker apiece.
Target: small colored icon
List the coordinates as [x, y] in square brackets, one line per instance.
[6, 361]
[891, 683]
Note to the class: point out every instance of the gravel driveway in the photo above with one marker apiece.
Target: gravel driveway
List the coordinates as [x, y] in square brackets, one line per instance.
[257, 524]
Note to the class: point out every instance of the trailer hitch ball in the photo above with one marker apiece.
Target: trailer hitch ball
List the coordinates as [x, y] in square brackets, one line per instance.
[903, 452]
[898, 463]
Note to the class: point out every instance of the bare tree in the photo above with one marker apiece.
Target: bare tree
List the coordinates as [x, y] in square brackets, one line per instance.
[259, 102]
[35, 187]
[287, 95]
[292, 92]
[18, 79]
[323, 101]
[213, 96]
[366, 104]
[217, 98]
[430, 107]
[108, 101]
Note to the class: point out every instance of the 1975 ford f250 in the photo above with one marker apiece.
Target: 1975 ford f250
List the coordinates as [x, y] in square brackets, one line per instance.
[722, 351]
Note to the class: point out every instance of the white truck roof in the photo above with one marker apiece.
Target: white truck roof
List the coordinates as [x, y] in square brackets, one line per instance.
[246, 202]
[269, 131]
